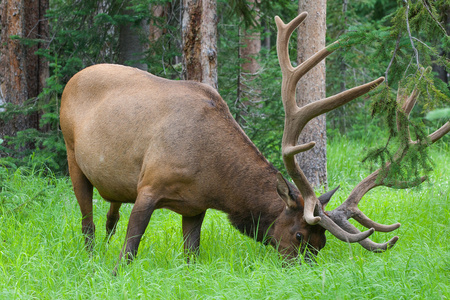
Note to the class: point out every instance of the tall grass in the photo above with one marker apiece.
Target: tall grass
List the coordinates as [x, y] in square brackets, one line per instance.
[42, 254]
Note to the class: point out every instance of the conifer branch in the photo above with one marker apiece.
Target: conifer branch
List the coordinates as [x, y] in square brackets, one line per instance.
[433, 17]
[416, 53]
[397, 45]
[423, 43]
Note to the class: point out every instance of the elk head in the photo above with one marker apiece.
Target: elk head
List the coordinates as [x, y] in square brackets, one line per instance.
[306, 233]
[292, 234]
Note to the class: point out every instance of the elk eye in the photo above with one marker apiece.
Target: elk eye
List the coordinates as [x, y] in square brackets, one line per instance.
[299, 236]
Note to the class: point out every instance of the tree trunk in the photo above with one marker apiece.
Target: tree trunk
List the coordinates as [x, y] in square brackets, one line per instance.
[311, 87]
[155, 28]
[199, 33]
[132, 44]
[251, 41]
[22, 72]
[250, 46]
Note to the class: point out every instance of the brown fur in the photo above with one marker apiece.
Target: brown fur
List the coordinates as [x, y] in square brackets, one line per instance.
[158, 143]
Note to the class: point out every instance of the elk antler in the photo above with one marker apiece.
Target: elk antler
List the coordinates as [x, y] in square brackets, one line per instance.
[296, 118]
[349, 209]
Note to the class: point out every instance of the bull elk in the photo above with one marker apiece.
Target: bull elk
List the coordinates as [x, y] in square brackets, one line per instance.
[157, 143]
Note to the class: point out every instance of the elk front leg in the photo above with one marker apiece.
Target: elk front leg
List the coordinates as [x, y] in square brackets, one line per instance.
[112, 217]
[191, 232]
[140, 216]
[83, 192]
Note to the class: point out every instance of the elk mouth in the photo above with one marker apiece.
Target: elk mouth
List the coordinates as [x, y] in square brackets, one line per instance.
[297, 253]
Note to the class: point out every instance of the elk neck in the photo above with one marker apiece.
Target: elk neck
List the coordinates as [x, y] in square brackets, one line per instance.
[250, 196]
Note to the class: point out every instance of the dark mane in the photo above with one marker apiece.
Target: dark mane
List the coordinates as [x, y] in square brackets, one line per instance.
[255, 224]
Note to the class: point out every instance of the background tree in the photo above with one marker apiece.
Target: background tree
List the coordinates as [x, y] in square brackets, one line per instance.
[158, 13]
[248, 93]
[133, 39]
[311, 38]
[22, 71]
[164, 54]
[199, 32]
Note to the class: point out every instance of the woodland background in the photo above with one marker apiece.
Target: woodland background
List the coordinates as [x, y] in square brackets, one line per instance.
[42, 254]
[44, 43]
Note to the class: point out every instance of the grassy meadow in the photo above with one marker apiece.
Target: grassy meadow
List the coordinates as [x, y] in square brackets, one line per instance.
[42, 254]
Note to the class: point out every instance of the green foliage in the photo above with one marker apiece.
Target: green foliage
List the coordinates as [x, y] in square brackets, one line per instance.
[35, 146]
[383, 46]
[439, 114]
[399, 45]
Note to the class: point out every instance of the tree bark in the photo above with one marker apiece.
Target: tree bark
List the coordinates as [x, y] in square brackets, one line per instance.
[249, 49]
[22, 72]
[132, 44]
[251, 41]
[311, 87]
[199, 33]
[155, 30]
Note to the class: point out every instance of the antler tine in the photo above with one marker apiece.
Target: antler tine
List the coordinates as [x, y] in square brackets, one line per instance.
[367, 243]
[369, 223]
[410, 102]
[375, 247]
[317, 108]
[443, 130]
[284, 33]
[407, 106]
[338, 231]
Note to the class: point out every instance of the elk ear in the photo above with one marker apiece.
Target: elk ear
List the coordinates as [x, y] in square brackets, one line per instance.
[325, 198]
[284, 191]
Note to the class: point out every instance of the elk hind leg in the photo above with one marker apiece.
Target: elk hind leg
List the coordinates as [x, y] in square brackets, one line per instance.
[83, 192]
[191, 233]
[112, 218]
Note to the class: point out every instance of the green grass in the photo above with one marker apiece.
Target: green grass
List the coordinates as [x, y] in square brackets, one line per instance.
[42, 254]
